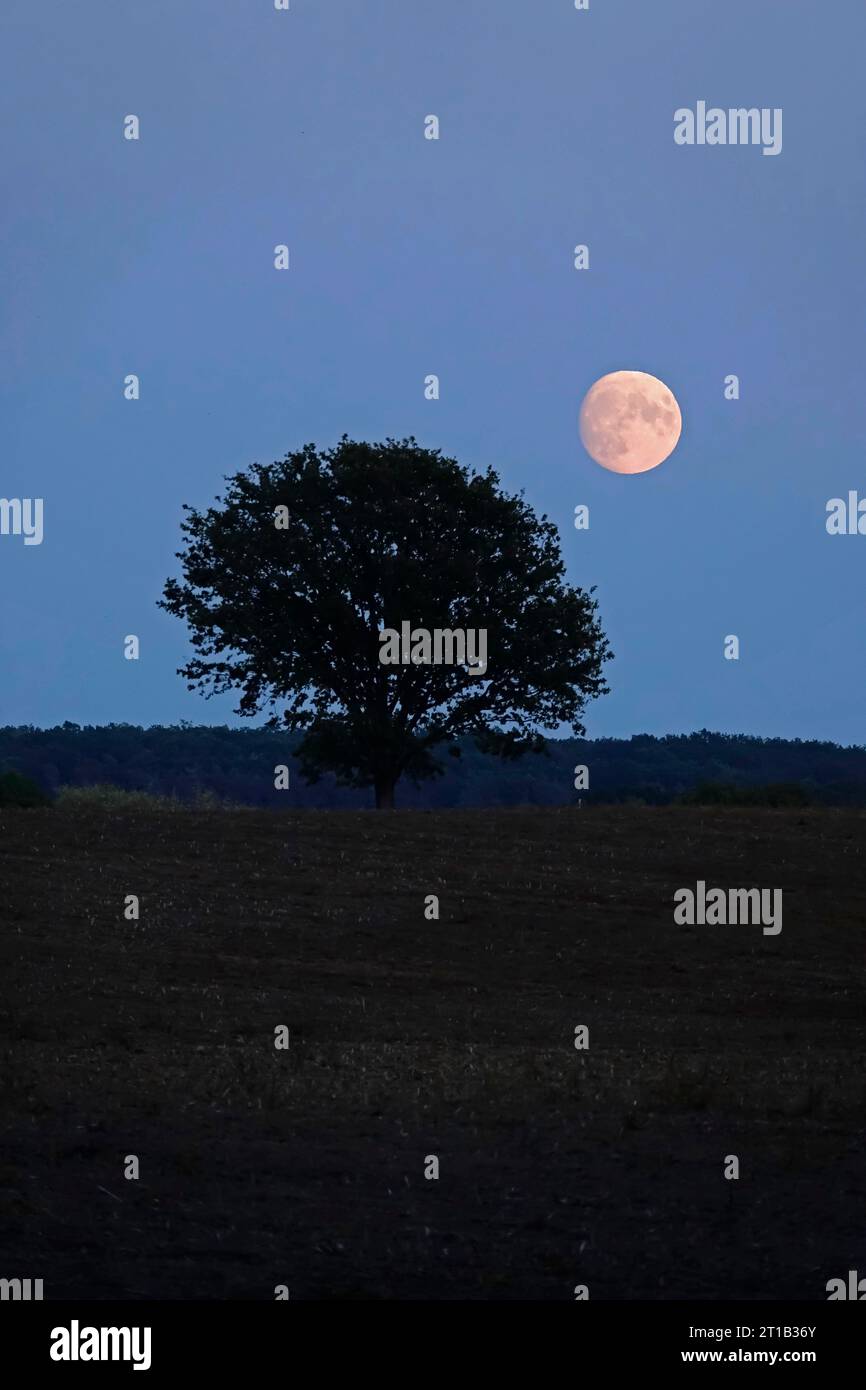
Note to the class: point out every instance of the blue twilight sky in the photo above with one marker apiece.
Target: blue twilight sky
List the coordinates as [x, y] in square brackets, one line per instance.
[411, 257]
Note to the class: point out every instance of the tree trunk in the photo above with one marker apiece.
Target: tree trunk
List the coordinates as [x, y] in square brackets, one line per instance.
[384, 785]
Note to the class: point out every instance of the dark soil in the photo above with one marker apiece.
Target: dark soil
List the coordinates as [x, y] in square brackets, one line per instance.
[411, 1038]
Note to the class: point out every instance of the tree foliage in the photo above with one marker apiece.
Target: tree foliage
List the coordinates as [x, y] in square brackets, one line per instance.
[237, 764]
[379, 535]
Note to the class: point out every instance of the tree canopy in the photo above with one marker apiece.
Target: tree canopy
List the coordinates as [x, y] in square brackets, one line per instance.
[289, 580]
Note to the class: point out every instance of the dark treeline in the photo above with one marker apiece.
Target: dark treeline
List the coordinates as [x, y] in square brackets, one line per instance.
[238, 765]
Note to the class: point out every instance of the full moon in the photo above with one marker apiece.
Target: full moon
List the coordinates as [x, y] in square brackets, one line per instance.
[630, 422]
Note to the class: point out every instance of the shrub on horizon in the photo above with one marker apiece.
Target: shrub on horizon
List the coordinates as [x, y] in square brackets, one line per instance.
[732, 794]
[21, 792]
[104, 796]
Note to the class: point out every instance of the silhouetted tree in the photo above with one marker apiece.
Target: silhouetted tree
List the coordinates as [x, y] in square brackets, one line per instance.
[289, 612]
